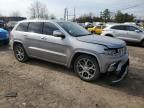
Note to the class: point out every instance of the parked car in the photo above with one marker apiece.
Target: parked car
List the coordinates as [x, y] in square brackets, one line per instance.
[2, 23]
[4, 37]
[82, 25]
[69, 44]
[97, 29]
[88, 25]
[130, 33]
[10, 25]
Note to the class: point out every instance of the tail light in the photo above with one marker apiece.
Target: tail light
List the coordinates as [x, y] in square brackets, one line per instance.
[10, 35]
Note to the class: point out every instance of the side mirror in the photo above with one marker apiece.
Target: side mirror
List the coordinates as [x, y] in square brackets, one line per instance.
[137, 31]
[58, 33]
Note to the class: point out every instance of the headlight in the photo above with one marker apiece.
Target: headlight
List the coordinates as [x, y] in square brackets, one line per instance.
[115, 51]
[110, 51]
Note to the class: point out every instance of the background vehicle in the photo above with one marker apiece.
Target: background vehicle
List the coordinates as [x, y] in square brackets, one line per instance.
[2, 24]
[88, 25]
[10, 25]
[130, 33]
[97, 29]
[4, 37]
[69, 44]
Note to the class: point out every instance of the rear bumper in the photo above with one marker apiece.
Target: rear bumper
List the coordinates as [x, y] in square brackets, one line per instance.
[4, 40]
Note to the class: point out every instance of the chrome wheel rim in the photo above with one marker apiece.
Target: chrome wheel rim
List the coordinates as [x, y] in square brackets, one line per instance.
[86, 68]
[19, 52]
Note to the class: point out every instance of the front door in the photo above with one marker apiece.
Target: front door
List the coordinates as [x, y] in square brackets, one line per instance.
[134, 34]
[54, 49]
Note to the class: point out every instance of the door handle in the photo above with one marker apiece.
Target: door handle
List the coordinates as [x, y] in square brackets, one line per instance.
[43, 38]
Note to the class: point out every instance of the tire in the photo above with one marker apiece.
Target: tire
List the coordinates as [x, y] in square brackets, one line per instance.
[87, 68]
[20, 53]
[92, 32]
[142, 43]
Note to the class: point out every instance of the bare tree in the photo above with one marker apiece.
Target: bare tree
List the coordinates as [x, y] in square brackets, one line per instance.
[38, 10]
[15, 14]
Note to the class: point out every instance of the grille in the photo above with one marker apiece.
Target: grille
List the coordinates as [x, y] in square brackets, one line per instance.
[121, 51]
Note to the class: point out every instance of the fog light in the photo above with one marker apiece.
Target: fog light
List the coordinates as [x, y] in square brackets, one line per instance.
[112, 67]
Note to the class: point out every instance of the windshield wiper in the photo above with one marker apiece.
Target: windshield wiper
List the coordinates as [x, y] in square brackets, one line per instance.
[84, 35]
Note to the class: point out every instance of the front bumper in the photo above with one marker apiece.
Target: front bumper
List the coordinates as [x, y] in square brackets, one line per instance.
[120, 75]
[109, 64]
[115, 66]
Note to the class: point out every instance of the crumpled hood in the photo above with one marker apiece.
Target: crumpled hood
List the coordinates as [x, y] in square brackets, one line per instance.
[102, 40]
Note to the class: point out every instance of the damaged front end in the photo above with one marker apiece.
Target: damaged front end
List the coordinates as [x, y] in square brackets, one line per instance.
[119, 71]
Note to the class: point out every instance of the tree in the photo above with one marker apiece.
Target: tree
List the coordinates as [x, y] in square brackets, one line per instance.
[85, 18]
[15, 14]
[124, 17]
[106, 15]
[38, 10]
[52, 16]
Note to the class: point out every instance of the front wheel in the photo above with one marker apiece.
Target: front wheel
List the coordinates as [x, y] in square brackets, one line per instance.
[92, 32]
[87, 68]
[142, 43]
[20, 53]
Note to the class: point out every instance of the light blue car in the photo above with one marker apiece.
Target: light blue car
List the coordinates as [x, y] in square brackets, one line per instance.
[4, 37]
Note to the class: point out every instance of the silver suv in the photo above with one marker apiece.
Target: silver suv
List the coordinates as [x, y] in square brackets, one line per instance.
[69, 44]
[130, 33]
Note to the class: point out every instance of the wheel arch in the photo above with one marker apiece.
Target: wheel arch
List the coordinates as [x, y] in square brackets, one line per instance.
[110, 35]
[77, 54]
[17, 42]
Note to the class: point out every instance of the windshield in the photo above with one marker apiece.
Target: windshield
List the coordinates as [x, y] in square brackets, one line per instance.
[74, 29]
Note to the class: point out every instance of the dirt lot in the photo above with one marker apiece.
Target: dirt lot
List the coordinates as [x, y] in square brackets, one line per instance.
[41, 84]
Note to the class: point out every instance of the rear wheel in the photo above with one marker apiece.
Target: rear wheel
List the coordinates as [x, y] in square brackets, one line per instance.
[87, 68]
[20, 53]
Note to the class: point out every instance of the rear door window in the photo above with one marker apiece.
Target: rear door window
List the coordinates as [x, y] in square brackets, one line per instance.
[35, 27]
[49, 28]
[119, 27]
[131, 28]
[22, 27]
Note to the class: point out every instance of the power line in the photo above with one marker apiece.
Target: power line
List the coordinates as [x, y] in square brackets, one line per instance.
[132, 7]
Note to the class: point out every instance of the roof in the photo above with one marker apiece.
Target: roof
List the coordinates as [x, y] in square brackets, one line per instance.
[42, 20]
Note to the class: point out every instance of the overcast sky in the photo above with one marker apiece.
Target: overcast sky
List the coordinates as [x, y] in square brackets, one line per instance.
[82, 6]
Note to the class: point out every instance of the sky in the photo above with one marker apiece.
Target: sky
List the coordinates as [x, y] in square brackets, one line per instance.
[56, 7]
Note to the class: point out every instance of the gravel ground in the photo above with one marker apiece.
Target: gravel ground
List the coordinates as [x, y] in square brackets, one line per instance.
[41, 84]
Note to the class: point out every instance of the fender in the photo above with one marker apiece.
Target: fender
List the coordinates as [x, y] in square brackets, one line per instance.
[89, 52]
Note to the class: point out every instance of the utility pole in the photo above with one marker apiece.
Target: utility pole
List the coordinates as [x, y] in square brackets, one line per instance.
[66, 14]
[74, 14]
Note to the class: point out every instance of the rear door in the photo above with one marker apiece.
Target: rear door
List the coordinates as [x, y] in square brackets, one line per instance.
[33, 38]
[20, 32]
[119, 31]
